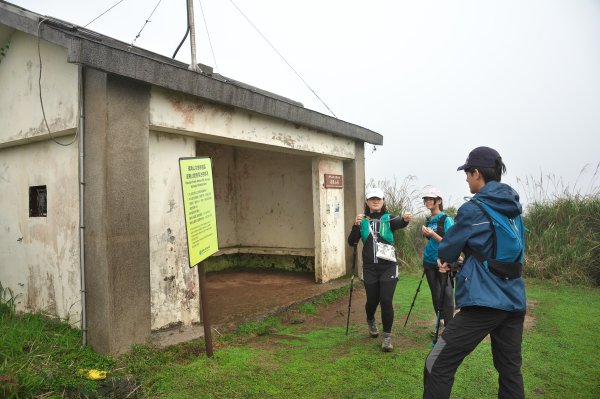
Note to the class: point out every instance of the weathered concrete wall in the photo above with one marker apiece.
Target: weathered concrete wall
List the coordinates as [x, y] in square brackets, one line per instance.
[228, 125]
[226, 192]
[116, 217]
[329, 225]
[263, 198]
[20, 109]
[39, 256]
[274, 199]
[174, 286]
[354, 198]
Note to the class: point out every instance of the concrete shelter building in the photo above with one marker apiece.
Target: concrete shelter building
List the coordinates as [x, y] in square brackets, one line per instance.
[91, 216]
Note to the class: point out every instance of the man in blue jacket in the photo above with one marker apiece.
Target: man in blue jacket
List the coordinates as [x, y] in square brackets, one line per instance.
[488, 304]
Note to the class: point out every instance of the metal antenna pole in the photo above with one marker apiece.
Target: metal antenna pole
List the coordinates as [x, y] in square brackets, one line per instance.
[190, 9]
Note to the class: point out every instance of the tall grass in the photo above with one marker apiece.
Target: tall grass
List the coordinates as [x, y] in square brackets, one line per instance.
[563, 242]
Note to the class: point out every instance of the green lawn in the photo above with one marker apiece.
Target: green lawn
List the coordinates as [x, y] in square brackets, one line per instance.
[561, 356]
[561, 353]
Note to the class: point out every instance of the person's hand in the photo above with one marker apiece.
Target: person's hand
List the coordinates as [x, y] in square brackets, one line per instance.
[359, 218]
[443, 267]
[427, 232]
[407, 216]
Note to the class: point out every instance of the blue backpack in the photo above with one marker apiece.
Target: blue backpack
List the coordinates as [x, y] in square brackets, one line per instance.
[508, 248]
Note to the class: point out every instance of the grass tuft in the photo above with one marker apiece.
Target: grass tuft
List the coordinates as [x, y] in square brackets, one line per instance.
[269, 325]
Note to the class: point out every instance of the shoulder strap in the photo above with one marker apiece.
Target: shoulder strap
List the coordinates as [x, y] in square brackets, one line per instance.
[489, 218]
[441, 229]
[385, 230]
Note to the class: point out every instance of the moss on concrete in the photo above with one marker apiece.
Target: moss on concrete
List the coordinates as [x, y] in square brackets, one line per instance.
[261, 261]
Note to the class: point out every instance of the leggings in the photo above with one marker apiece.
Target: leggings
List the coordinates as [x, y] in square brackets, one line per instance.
[434, 279]
[381, 293]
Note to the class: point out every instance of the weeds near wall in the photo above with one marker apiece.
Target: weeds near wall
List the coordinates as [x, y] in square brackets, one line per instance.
[7, 302]
[42, 356]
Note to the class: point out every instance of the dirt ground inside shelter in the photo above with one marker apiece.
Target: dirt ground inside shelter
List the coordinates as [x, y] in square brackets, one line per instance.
[237, 296]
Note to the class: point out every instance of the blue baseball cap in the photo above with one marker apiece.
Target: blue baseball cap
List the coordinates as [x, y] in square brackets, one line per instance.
[483, 157]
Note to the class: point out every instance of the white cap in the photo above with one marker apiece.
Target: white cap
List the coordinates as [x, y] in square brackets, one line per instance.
[374, 192]
[432, 192]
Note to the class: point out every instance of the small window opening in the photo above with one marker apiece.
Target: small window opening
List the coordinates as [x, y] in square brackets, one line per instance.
[38, 204]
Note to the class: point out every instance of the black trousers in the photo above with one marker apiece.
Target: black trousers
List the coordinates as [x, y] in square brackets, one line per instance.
[434, 279]
[380, 284]
[469, 327]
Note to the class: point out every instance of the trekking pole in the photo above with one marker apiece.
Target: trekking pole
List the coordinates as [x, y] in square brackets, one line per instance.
[351, 287]
[415, 297]
[440, 308]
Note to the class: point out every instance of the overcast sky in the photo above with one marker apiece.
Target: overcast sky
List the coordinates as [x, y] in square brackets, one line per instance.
[435, 78]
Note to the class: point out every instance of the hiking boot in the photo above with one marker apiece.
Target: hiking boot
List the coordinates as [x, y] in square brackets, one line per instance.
[386, 342]
[373, 331]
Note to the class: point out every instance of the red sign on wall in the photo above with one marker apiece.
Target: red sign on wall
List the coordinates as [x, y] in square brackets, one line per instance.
[334, 181]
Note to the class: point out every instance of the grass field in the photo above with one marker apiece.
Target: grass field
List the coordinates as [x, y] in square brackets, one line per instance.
[561, 348]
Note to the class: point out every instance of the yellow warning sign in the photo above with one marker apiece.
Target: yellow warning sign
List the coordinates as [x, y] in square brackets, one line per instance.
[199, 206]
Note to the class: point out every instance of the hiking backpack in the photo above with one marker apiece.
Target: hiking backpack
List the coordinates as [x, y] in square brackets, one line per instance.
[440, 228]
[508, 248]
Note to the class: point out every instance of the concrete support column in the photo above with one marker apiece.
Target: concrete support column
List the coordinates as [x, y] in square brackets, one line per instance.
[354, 194]
[116, 211]
[330, 229]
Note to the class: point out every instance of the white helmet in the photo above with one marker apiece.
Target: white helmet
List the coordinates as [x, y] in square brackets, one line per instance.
[374, 192]
[432, 193]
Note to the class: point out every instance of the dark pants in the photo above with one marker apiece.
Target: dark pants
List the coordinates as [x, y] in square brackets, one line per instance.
[380, 284]
[434, 279]
[469, 327]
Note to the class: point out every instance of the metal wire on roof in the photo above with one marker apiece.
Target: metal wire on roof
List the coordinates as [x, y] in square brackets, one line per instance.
[145, 23]
[283, 58]
[110, 8]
